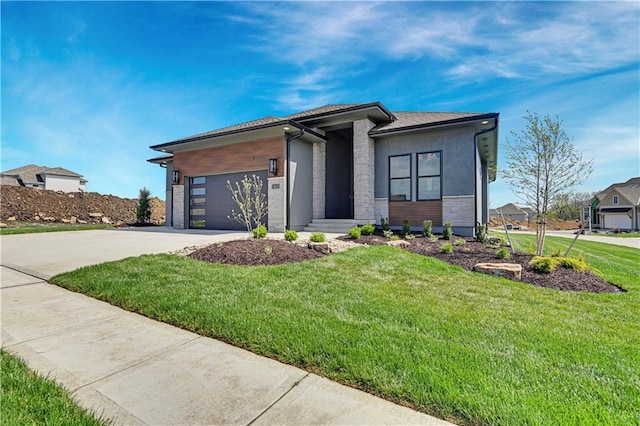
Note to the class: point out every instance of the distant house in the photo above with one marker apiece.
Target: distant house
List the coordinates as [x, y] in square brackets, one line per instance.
[617, 207]
[51, 178]
[515, 212]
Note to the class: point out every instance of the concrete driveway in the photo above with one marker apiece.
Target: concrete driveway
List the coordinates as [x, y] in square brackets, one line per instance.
[134, 370]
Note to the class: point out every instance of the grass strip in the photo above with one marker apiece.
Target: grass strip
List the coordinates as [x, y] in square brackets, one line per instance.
[463, 346]
[33, 228]
[29, 399]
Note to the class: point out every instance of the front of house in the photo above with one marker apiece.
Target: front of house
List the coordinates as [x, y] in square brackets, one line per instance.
[617, 208]
[349, 163]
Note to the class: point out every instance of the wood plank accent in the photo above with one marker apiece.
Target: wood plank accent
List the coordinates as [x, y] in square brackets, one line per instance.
[415, 212]
[251, 155]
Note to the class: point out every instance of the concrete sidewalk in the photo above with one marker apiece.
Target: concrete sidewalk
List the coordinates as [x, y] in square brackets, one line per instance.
[134, 370]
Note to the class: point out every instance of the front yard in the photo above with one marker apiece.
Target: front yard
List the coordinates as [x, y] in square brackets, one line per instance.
[470, 348]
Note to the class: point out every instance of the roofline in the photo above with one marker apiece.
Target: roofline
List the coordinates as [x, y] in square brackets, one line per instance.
[236, 131]
[350, 109]
[490, 115]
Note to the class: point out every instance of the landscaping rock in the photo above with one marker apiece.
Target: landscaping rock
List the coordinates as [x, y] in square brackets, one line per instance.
[3, 225]
[105, 220]
[95, 214]
[319, 247]
[11, 219]
[398, 243]
[511, 271]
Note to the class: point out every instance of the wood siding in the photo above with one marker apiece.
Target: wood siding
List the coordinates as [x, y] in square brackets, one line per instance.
[415, 212]
[252, 155]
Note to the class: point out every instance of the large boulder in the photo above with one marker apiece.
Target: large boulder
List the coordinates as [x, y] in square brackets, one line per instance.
[511, 271]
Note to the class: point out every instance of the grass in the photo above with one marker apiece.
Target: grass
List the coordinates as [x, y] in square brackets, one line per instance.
[30, 228]
[462, 346]
[27, 398]
[623, 235]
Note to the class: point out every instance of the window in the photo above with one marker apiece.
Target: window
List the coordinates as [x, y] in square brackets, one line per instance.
[198, 180]
[400, 178]
[615, 200]
[429, 176]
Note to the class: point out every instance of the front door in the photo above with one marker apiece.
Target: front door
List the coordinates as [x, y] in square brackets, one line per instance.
[339, 175]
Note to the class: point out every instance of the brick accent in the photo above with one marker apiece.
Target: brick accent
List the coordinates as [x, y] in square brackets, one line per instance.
[363, 171]
[240, 157]
[415, 212]
[276, 196]
[459, 210]
[319, 179]
[178, 207]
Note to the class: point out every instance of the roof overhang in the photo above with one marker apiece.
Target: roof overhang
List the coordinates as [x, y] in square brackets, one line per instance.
[282, 128]
[163, 160]
[374, 111]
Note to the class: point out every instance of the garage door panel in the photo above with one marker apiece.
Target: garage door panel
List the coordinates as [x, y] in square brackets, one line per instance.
[218, 202]
[615, 221]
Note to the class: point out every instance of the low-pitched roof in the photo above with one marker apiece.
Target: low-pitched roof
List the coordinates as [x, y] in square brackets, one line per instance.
[32, 174]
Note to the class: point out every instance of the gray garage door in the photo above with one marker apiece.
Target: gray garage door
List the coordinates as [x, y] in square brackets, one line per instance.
[210, 201]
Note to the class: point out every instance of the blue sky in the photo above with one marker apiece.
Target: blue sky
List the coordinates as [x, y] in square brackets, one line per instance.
[89, 86]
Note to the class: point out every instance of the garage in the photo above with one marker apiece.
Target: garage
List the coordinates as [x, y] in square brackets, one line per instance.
[616, 219]
[210, 201]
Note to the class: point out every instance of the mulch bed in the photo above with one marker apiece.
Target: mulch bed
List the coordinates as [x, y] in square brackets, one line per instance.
[274, 252]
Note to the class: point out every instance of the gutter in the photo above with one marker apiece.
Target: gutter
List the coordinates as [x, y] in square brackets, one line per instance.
[475, 171]
[287, 175]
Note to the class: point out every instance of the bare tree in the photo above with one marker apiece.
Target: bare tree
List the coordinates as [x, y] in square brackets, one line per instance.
[542, 166]
[251, 201]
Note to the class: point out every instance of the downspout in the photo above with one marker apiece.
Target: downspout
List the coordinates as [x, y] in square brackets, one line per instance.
[475, 171]
[287, 179]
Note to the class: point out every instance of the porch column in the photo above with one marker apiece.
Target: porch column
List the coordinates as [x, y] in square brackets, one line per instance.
[319, 179]
[363, 172]
[178, 208]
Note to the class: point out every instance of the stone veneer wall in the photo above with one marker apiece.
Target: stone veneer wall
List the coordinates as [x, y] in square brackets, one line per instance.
[381, 209]
[178, 207]
[363, 171]
[319, 179]
[276, 197]
[458, 210]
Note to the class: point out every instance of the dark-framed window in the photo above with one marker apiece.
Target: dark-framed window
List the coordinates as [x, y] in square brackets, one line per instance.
[197, 202]
[429, 175]
[400, 177]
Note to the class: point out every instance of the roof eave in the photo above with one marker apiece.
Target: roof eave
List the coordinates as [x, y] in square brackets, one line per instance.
[492, 115]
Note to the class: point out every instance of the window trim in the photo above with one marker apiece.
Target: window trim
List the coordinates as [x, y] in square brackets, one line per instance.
[410, 199]
[418, 176]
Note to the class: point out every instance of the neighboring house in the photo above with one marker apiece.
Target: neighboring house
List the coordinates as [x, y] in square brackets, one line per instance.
[51, 178]
[617, 207]
[515, 212]
[339, 164]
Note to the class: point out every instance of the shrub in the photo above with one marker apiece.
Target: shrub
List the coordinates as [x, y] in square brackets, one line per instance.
[447, 232]
[459, 242]
[481, 233]
[259, 231]
[433, 238]
[503, 253]
[409, 237]
[570, 263]
[542, 264]
[354, 233]
[406, 227]
[384, 222]
[290, 235]
[367, 229]
[143, 209]
[268, 250]
[447, 248]
[427, 228]
[556, 253]
[317, 237]
[388, 233]
[494, 244]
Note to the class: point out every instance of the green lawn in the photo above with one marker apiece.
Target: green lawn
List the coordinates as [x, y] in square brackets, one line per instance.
[29, 399]
[30, 228]
[467, 347]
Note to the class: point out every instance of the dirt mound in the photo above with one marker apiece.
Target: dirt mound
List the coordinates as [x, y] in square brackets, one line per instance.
[37, 205]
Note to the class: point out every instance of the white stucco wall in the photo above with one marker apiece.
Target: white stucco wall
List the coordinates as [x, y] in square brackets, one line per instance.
[63, 183]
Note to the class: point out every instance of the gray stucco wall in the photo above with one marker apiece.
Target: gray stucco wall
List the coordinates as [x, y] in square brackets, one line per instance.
[301, 184]
[457, 159]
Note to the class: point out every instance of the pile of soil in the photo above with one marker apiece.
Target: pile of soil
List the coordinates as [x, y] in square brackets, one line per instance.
[24, 204]
[552, 224]
[273, 252]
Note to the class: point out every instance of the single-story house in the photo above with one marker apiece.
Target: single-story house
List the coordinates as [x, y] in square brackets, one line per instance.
[515, 212]
[41, 177]
[345, 164]
[617, 207]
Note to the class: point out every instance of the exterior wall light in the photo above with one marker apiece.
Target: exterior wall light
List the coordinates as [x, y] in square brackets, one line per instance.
[273, 166]
[175, 176]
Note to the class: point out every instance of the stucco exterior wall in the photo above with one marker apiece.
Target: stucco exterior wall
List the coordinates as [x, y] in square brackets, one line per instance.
[63, 183]
[301, 184]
